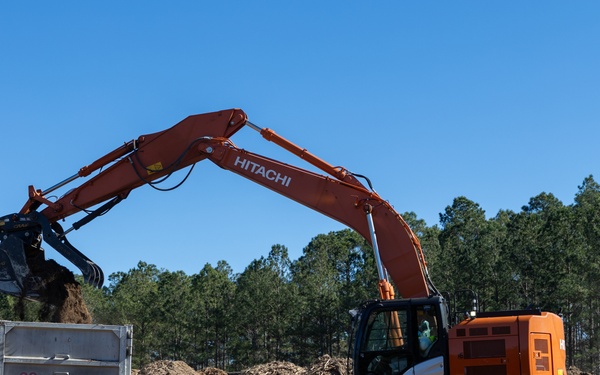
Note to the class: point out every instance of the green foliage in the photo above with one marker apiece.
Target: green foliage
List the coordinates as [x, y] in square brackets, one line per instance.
[470, 250]
[134, 295]
[98, 301]
[173, 305]
[11, 308]
[212, 326]
[269, 302]
[583, 309]
[330, 280]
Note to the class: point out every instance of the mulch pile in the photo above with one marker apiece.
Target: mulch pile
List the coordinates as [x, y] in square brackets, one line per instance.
[212, 371]
[275, 368]
[175, 368]
[325, 365]
[167, 368]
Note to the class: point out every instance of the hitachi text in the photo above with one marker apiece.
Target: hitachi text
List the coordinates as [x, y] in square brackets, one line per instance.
[256, 168]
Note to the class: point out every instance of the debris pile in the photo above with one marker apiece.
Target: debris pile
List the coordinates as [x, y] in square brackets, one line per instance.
[212, 371]
[167, 368]
[327, 365]
[275, 368]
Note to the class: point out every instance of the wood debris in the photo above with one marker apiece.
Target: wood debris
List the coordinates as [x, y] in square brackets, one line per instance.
[327, 365]
[275, 368]
[167, 368]
[212, 371]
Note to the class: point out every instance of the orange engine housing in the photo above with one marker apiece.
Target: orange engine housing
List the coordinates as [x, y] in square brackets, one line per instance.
[512, 342]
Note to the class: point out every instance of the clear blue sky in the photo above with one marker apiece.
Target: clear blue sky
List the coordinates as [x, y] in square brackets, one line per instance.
[497, 101]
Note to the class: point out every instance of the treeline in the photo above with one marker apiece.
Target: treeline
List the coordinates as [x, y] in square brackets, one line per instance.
[544, 256]
[277, 309]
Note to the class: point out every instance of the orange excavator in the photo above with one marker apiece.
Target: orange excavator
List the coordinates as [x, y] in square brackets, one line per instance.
[410, 335]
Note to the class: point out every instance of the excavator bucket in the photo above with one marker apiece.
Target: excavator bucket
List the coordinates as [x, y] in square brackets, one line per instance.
[25, 273]
[16, 277]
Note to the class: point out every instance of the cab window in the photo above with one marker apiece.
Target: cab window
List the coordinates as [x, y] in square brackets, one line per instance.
[385, 348]
[427, 328]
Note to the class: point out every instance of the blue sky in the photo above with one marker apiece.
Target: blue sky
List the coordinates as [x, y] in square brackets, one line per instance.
[495, 101]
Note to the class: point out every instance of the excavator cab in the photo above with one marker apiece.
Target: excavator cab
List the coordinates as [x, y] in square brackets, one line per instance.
[395, 337]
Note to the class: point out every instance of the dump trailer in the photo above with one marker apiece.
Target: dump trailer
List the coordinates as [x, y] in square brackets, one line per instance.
[66, 349]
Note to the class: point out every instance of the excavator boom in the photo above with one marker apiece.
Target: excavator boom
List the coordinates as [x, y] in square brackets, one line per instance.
[346, 202]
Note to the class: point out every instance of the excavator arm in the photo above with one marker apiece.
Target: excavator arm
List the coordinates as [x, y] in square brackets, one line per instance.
[151, 158]
[350, 203]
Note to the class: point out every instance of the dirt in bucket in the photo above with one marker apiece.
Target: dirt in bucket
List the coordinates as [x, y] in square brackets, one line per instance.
[61, 298]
